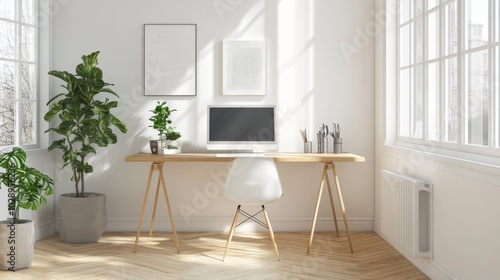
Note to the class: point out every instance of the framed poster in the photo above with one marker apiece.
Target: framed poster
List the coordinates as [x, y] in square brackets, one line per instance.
[244, 68]
[170, 59]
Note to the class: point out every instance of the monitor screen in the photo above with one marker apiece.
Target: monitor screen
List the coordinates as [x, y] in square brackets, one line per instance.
[241, 128]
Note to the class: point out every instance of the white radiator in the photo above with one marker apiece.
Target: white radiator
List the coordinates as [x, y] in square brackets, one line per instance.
[406, 220]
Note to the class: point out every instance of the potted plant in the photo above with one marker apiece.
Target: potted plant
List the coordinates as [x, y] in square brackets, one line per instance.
[86, 123]
[168, 136]
[27, 187]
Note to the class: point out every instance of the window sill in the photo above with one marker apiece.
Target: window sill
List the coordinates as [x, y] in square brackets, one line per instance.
[470, 165]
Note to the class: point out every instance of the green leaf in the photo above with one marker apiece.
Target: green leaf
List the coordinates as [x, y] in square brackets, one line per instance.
[118, 123]
[80, 70]
[54, 109]
[108, 90]
[63, 75]
[55, 97]
[88, 168]
[112, 104]
[58, 144]
[16, 157]
[88, 149]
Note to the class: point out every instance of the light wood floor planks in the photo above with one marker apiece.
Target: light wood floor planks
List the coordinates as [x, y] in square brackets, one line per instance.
[251, 256]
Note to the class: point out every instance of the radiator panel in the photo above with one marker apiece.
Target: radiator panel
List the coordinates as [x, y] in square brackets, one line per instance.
[406, 213]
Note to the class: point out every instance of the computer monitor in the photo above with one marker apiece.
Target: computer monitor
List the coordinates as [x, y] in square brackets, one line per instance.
[241, 128]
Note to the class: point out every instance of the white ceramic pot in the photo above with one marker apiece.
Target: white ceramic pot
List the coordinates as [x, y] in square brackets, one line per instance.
[17, 242]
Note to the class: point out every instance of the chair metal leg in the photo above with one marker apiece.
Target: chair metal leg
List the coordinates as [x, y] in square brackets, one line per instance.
[233, 226]
[271, 233]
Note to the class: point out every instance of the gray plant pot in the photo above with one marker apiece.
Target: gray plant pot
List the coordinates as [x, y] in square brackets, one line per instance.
[83, 219]
[21, 238]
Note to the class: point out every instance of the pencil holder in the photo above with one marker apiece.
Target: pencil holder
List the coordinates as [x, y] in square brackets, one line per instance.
[308, 147]
[337, 145]
[322, 145]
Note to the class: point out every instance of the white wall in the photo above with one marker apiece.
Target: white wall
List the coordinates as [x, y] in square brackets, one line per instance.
[310, 80]
[465, 194]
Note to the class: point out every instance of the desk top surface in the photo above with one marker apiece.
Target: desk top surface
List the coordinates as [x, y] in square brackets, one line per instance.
[212, 157]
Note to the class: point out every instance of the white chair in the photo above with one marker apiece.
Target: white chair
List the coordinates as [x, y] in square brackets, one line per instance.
[252, 181]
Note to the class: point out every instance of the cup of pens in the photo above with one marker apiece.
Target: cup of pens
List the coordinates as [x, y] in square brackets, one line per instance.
[308, 145]
[337, 139]
[323, 139]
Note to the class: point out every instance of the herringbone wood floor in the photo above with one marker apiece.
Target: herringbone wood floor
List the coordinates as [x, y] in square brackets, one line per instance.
[251, 256]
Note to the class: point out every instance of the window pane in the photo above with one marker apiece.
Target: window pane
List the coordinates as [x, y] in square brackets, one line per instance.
[8, 9]
[433, 101]
[416, 42]
[27, 11]
[29, 121]
[417, 102]
[28, 79]
[28, 44]
[416, 8]
[404, 103]
[476, 23]
[476, 99]
[451, 99]
[7, 40]
[497, 20]
[7, 123]
[404, 46]
[450, 28]
[404, 11]
[7, 80]
[432, 3]
[433, 33]
[497, 93]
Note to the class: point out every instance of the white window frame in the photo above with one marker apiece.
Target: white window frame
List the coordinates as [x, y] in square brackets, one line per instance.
[460, 149]
[41, 24]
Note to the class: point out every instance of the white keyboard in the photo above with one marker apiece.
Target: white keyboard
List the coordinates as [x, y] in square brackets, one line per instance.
[235, 155]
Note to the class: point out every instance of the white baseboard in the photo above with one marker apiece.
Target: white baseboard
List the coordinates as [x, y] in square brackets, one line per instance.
[222, 224]
[44, 230]
[429, 267]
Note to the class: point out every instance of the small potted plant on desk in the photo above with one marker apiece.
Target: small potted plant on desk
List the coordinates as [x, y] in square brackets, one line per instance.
[86, 122]
[26, 189]
[168, 142]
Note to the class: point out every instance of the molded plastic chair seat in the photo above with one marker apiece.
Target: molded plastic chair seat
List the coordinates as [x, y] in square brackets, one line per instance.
[252, 181]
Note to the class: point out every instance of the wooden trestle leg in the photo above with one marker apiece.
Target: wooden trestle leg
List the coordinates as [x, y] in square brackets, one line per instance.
[324, 177]
[161, 180]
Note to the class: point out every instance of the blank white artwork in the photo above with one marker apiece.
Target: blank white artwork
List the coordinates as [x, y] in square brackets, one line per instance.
[244, 68]
[170, 59]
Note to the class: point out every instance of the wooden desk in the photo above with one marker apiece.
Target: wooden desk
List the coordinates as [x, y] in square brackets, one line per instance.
[328, 161]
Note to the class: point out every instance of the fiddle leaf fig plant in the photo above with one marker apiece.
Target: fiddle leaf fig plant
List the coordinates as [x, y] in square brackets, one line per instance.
[86, 120]
[27, 185]
[161, 121]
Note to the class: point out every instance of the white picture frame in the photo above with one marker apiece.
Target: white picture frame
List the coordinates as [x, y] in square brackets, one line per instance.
[170, 67]
[244, 68]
